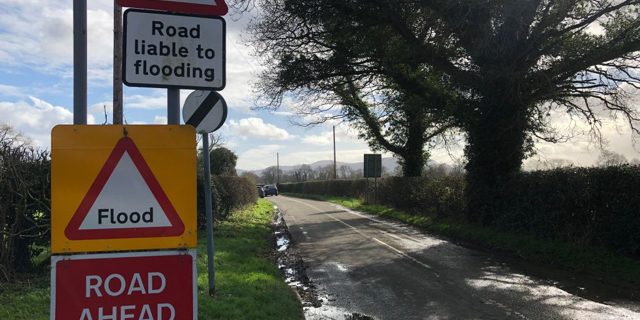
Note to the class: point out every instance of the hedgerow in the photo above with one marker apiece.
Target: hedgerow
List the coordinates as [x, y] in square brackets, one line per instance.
[585, 206]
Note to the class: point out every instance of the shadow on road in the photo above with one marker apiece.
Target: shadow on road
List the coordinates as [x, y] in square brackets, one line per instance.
[435, 278]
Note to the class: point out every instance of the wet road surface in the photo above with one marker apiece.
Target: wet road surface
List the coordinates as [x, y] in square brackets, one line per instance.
[387, 270]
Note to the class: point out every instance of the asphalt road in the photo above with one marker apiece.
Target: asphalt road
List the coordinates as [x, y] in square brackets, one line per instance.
[391, 271]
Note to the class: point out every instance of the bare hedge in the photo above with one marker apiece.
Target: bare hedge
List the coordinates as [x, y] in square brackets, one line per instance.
[24, 204]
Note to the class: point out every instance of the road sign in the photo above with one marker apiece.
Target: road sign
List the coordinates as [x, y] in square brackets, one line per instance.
[372, 165]
[173, 50]
[133, 285]
[122, 200]
[122, 183]
[204, 110]
[202, 7]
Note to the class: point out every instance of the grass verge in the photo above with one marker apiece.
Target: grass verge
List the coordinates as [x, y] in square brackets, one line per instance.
[593, 261]
[26, 298]
[248, 285]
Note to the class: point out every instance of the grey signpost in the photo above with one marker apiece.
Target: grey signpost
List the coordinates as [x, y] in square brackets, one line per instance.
[79, 61]
[373, 169]
[206, 111]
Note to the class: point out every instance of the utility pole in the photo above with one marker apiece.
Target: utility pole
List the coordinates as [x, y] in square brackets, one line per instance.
[277, 167]
[335, 168]
[117, 63]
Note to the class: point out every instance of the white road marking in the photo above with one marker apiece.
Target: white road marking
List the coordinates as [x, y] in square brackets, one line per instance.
[391, 235]
[382, 243]
[405, 255]
[390, 224]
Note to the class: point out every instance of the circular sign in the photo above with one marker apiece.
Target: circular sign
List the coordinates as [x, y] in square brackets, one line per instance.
[204, 110]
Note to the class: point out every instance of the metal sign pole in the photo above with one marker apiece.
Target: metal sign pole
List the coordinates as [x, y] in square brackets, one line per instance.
[208, 211]
[117, 63]
[79, 61]
[173, 106]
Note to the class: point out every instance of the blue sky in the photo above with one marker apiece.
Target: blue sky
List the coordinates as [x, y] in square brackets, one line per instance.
[36, 93]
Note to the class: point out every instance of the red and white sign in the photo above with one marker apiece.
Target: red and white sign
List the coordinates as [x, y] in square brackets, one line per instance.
[124, 201]
[200, 7]
[157, 285]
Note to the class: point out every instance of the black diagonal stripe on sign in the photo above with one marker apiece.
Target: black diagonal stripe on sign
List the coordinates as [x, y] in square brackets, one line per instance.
[203, 109]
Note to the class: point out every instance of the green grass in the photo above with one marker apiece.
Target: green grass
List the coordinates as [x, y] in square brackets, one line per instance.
[27, 298]
[248, 284]
[592, 261]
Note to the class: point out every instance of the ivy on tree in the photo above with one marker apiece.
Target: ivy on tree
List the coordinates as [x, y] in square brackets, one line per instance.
[496, 70]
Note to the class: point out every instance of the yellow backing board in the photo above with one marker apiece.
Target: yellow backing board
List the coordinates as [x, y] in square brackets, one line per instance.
[79, 154]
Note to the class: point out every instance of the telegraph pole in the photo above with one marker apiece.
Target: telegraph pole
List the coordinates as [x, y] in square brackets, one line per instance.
[277, 167]
[335, 168]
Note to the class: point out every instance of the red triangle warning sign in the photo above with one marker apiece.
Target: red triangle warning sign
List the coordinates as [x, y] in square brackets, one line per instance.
[125, 201]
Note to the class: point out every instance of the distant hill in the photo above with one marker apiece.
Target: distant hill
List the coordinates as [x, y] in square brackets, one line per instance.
[389, 163]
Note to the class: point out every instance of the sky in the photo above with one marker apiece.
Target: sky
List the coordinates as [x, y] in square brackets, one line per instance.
[36, 93]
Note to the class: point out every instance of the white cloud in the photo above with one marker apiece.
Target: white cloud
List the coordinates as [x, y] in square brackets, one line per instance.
[323, 139]
[10, 91]
[283, 113]
[99, 107]
[39, 34]
[257, 128]
[583, 151]
[160, 120]
[147, 102]
[326, 138]
[259, 158]
[35, 118]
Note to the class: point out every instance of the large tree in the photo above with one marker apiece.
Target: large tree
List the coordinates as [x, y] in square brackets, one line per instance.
[506, 65]
[361, 75]
[521, 60]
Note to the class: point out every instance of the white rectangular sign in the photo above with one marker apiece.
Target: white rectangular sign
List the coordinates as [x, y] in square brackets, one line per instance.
[173, 50]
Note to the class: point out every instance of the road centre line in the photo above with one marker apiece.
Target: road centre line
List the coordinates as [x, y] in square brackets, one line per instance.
[375, 220]
[392, 235]
[382, 243]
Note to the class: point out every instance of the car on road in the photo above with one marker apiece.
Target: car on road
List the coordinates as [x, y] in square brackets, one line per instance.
[270, 190]
[261, 192]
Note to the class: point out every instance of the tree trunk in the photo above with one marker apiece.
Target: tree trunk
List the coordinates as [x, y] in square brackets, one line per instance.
[495, 150]
[412, 164]
[414, 157]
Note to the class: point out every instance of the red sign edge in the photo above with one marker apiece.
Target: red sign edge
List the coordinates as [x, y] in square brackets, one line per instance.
[125, 144]
[219, 9]
[56, 258]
